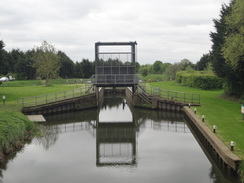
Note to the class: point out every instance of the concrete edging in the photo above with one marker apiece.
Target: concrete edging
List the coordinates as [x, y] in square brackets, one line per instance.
[223, 151]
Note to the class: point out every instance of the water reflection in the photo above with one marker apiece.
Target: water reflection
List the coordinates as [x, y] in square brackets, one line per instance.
[120, 145]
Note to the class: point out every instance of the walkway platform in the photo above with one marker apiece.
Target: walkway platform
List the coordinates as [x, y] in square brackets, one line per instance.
[36, 118]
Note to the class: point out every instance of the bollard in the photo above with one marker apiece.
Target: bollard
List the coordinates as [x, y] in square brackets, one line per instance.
[4, 98]
[189, 105]
[232, 144]
[203, 117]
[195, 110]
[214, 128]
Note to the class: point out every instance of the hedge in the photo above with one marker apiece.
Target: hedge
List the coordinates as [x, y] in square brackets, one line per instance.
[199, 80]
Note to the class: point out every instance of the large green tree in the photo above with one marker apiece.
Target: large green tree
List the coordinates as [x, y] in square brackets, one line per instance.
[67, 66]
[157, 67]
[222, 67]
[3, 59]
[233, 48]
[46, 61]
[203, 62]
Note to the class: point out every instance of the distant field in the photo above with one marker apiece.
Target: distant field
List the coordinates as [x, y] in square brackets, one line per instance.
[154, 77]
[17, 89]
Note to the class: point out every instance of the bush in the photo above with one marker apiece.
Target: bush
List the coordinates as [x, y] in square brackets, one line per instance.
[199, 80]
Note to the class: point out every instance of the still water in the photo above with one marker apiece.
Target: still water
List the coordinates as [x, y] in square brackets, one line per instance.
[113, 144]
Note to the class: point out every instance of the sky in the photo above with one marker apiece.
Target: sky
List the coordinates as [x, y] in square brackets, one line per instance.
[169, 31]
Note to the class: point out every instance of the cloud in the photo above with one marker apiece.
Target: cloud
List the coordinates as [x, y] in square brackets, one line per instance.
[164, 30]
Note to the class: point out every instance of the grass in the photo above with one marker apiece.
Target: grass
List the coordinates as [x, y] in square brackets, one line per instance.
[15, 90]
[226, 114]
[14, 126]
[153, 77]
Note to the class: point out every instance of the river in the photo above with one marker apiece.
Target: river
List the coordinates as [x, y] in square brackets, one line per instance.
[114, 144]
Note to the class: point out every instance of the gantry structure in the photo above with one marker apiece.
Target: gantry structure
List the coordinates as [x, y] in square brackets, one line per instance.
[115, 64]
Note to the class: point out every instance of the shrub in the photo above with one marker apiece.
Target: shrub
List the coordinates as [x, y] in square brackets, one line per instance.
[199, 80]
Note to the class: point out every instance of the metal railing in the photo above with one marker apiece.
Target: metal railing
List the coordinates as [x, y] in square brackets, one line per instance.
[115, 79]
[186, 98]
[53, 97]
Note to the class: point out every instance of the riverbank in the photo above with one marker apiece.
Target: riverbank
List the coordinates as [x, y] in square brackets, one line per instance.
[15, 131]
[225, 114]
[15, 128]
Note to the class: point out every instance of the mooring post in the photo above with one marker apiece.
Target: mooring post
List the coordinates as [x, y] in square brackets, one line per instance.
[203, 118]
[214, 128]
[4, 99]
[232, 144]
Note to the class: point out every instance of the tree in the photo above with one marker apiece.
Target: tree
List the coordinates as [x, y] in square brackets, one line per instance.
[67, 66]
[87, 68]
[185, 63]
[221, 68]
[157, 67]
[203, 62]
[46, 61]
[233, 48]
[223, 65]
[137, 64]
[23, 68]
[171, 71]
[3, 59]
[165, 66]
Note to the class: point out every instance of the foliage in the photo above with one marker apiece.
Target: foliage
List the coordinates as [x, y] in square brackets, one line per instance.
[224, 40]
[66, 66]
[84, 69]
[13, 129]
[203, 62]
[46, 61]
[144, 71]
[199, 80]
[157, 67]
[233, 49]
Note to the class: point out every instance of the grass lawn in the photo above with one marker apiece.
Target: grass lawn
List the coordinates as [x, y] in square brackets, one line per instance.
[16, 89]
[218, 111]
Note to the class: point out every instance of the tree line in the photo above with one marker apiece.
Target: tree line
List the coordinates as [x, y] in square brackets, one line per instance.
[24, 65]
[30, 64]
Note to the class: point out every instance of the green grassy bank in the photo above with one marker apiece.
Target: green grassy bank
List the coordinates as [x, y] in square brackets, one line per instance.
[224, 113]
[15, 128]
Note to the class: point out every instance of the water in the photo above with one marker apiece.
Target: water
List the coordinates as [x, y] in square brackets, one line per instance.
[113, 144]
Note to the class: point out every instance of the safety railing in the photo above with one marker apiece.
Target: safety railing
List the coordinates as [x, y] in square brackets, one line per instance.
[53, 97]
[186, 98]
[116, 79]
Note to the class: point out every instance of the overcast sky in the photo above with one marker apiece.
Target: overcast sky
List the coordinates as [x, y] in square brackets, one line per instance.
[166, 30]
